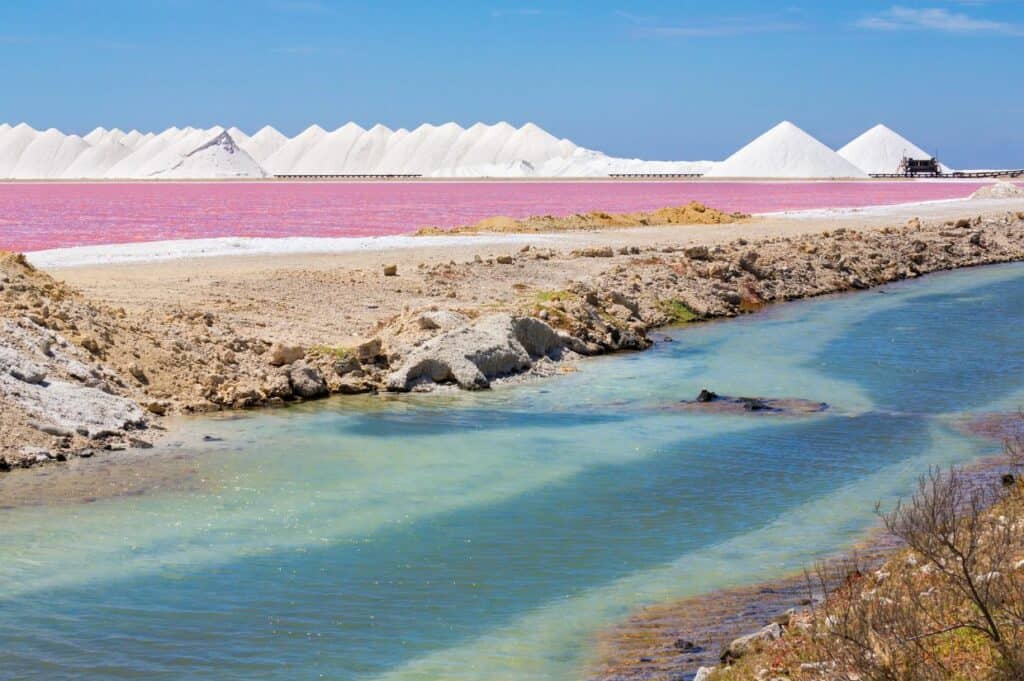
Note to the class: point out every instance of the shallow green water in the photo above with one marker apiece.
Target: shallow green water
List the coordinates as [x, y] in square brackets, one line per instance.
[489, 536]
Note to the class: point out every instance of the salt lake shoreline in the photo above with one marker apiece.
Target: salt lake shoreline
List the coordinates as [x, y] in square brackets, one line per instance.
[201, 335]
[611, 290]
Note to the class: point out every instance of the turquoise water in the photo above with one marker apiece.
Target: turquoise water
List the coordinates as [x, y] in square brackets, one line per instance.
[491, 536]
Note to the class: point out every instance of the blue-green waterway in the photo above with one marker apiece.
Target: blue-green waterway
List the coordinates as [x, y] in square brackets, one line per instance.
[491, 535]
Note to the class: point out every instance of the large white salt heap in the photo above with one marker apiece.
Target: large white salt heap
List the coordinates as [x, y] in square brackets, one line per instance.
[786, 151]
[263, 143]
[220, 158]
[48, 155]
[880, 150]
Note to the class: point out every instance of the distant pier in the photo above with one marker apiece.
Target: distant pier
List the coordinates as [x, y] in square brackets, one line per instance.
[362, 176]
[655, 176]
[957, 174]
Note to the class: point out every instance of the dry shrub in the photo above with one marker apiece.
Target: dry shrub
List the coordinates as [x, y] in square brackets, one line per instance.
[952, 606]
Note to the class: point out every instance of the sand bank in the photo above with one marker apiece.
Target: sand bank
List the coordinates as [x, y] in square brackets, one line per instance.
[207, 333]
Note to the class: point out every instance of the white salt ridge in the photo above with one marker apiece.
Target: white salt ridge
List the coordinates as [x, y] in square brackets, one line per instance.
[282, 161]
[180, 146]
[580, 163]
[264, 143]
[448, 150]
[786, 151]
[880, 150]
[47, 155]
[96, 161]
[13, 142]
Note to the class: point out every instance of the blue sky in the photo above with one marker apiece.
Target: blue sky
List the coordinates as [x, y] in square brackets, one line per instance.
[677, 80]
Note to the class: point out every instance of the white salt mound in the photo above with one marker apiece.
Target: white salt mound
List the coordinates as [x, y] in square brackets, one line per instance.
[47, 155]
[263, 143]
[999, 190]
[786, 151]
[220, 158]
[282, 161]
[96, 161]
[880, 150]
[13, 143]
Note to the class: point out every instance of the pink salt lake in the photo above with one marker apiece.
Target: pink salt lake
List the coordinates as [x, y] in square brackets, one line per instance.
[36, 216]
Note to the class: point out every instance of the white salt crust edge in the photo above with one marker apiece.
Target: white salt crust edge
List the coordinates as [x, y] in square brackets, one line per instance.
[181, 249]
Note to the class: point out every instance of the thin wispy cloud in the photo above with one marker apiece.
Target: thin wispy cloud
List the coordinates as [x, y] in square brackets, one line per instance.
[635, 18]
[725, 27]
[517, 12]
[900, 18]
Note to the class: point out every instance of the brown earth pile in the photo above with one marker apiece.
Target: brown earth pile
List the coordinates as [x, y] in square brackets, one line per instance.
[693, 213]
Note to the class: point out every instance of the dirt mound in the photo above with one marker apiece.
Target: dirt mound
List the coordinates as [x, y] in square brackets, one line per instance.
[694, 213]
[999, 190]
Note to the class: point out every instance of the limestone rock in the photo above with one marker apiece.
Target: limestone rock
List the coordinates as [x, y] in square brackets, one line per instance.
[744, 644]
[440, 319]
[703, 673]
[473, 354]
[368, 351]
[281, 354]
[307, 381]
[69, 407]
[20, 367]
[346, 365]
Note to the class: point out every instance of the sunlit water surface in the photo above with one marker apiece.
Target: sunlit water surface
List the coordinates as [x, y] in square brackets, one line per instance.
[490, 536]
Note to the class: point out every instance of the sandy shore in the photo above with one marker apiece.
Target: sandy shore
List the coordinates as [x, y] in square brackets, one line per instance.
[97, 355]
[340, 298]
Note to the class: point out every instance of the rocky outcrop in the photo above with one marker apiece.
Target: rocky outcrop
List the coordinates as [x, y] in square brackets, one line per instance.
[306, 381]
[474, 354]
[742, 645]
[187, 360]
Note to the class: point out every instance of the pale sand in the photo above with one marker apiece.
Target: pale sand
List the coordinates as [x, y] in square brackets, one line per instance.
[337, 298]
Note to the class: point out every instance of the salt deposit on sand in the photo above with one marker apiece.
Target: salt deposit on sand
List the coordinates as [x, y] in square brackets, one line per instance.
[999, 190]
[786, 151]
[880, 150]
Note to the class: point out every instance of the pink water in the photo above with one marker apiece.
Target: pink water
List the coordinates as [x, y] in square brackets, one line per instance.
[48, 215]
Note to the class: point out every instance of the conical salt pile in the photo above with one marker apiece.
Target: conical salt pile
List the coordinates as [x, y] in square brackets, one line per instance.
[880, 150]
[785, 151]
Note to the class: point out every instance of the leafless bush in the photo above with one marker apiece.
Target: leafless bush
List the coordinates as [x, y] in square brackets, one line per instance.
[959, 590]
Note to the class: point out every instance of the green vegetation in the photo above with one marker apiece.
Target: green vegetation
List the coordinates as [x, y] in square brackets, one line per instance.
[678, 312]
[337, 352]
[553, 296]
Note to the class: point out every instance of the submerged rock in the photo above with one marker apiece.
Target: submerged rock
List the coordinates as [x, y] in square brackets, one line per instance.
[721, 404]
